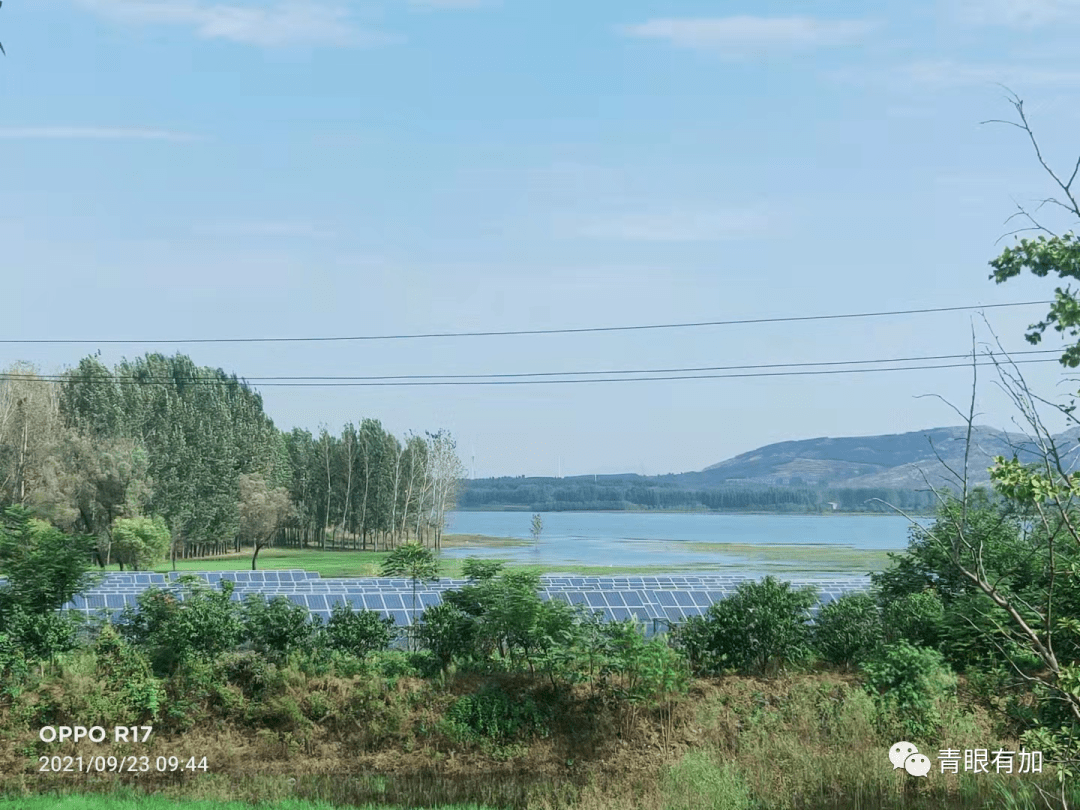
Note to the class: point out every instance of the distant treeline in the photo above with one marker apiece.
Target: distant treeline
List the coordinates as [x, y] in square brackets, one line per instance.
[634, 492]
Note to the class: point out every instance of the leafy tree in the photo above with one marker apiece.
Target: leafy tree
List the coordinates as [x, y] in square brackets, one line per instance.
[141, 542]
[278, 626]
[480, 570]
[44, 567]
[358, 632]
[176, 632]
[262, 512]
[848, 628]
[29, 428]
[414, 561]
[909, 683]
[755, 630]
[918, 618]
[90, 482]
[537, 527]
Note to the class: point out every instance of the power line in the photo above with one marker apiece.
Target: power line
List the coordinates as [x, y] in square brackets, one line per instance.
[519, 332]
[151, 379]
[372, 384]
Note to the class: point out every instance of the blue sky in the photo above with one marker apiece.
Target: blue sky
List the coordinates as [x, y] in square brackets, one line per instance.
[190, 169]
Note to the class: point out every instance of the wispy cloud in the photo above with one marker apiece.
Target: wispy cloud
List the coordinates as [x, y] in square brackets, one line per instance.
[947, 73]
[941, 74]
[1019, 13]
[95, 133]
[679, 226]
[287, 23]
[744, 36]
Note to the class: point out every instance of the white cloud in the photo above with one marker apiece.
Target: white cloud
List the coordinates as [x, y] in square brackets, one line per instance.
[751, 36]
[1019, 13]
[947, 73]
[286, 23]
[94, 133]
[679, 226]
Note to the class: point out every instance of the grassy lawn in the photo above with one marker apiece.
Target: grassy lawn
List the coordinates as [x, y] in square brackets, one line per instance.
[794, 558]
[779, 559]
[145, 802]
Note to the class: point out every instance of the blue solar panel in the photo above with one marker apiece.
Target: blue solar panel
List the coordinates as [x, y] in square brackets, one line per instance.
[649, 599]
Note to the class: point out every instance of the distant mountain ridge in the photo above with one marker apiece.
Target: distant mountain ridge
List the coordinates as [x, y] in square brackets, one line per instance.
[904, 460]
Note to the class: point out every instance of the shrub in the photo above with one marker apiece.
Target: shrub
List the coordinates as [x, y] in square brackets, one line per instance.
[45, 568]
[909, 684]
[448, 632]
[124, 670]
[41, 636]
[493, 715]
[756, 630]
[480, 570]
[278, 626]
[175, 632]
[847, 629]
[358, 632]
[140, 542]
[650, 669]
[12, 666]
[917, 618]
[246, 670]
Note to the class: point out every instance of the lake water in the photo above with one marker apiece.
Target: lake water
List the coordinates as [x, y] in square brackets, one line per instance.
[764, 542]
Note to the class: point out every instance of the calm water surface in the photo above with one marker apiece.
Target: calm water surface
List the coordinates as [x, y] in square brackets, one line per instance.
[652, 538]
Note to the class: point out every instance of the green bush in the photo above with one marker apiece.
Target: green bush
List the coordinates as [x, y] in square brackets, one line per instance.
[649, 670]
[917, 618]
[448, 632]
[909, 684]
[495, 716]
[123, 670]
[358, 632]
[13, 668]
[278, 626]
[140, 542]
[757, 630]
[42, 636]
[246, 670]
[174, 632]
[44, 567]
[847, 629]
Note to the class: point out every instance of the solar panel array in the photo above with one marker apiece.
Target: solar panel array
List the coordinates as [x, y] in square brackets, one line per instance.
[656, 600]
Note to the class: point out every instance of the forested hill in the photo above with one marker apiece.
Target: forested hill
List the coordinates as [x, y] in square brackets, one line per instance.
[812, 475]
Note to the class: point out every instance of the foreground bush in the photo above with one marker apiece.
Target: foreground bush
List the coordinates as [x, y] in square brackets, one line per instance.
[757, 630]
[174, 632]
[279, 626]
[909, 684]
[847, 629]
[357, 632]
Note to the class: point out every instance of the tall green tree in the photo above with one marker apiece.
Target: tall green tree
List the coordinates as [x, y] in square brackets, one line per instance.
[140, 542]
[263, 511]
[414, 561]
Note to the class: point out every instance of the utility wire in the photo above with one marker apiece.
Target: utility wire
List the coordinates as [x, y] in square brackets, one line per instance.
[339, 384]
[147, 379]
[516, 332]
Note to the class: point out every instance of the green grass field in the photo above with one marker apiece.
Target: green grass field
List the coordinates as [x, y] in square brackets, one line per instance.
[91, 802]
[779, 559]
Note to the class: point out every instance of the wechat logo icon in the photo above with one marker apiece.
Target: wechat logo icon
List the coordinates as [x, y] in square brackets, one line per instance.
[905, 755]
